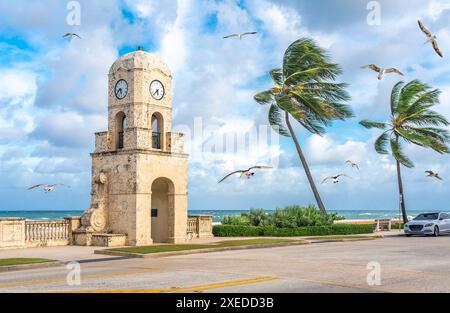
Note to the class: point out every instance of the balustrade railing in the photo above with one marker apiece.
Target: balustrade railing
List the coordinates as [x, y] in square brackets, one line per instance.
[37, 231]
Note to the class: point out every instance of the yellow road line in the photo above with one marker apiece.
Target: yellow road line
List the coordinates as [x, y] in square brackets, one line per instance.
[190, 289]
[59, 280]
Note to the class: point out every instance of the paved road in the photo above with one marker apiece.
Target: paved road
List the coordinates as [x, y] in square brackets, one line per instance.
[407, 265]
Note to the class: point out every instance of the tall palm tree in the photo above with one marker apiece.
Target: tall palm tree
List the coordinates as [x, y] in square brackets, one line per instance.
[305, 90]
[411, 121]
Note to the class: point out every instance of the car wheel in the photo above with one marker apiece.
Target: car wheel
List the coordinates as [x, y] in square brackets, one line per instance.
[436, 232]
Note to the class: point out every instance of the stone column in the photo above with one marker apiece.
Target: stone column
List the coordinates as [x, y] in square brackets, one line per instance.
[12, 232]
[179, 220]
[74, 224]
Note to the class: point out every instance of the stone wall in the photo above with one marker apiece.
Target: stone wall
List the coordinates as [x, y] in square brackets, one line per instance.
[20, 233]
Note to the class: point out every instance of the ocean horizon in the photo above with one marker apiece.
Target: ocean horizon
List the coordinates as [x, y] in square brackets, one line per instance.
[218, 215]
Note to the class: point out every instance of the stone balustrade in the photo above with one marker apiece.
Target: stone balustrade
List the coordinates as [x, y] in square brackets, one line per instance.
[42, 233]
[200, 226]
[18, 232]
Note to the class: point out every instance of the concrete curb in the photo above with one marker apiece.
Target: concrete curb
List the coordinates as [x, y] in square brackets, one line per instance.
[345, 240]
[23, 267]
[187, 252]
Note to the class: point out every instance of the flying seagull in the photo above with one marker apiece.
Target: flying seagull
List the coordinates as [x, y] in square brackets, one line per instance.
[46, 188]
[433, 175]
[71, 35]
[382, 71]
[430, 38]
[240, 36]
[246, 173]
[352, 164]
[335, 179]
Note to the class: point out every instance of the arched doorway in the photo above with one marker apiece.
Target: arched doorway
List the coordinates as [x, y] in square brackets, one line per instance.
[162, 210]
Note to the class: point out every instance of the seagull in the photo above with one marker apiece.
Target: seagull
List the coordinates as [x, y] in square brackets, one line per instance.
[335, 178]
[433, 174]
[240, 36]
[47, 188]
[382, 71]
[246, 173]
[353, 165]
[430, 38]
[71, 35]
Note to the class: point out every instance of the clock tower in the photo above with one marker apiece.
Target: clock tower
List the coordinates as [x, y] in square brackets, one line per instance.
[139, 168]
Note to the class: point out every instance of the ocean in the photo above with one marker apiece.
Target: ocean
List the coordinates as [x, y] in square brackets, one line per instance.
[217, 214]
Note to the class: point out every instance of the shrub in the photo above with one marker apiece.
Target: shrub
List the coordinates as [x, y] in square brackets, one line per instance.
[289, 217]
[257, 217]
[235, 220]
[268, 231]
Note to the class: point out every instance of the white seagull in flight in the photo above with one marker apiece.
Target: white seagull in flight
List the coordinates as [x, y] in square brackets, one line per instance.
[240, 36]
[46, 188]
[71, 35]
[382, 71]
[430, 39]
[336, 179]
[246, 173]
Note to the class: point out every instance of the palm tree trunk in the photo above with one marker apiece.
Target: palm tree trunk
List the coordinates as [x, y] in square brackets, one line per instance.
[401, 192]
[306, 167]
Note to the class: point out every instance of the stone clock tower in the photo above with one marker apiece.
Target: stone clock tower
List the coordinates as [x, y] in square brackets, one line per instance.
[139, 168]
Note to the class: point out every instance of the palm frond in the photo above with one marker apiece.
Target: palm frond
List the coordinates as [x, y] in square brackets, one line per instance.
[265, 97]
[277, 76]
[381, 144]
[302, 54]
[315, 73]
[424, 141]
[398, 154]
[340, 111]
[395, 96]
[427, 118]
[276, 120]
[442, 135]
[424, 101]
[287, 105]
[409, 93]
[370, 124]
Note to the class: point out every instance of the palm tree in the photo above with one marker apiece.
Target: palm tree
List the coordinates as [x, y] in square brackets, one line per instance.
[305, 90]
[411, 121]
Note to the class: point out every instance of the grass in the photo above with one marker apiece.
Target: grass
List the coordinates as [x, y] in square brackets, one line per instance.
[11, 262]
[218, 245]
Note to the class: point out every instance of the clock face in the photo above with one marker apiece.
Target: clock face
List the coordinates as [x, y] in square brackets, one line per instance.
[121, 89]
[157, 90]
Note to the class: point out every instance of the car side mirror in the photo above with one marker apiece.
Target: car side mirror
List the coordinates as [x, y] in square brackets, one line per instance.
[441, 219]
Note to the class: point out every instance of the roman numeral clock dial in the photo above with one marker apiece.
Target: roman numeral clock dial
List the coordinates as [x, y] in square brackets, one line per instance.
[121, 89]
[157, 90]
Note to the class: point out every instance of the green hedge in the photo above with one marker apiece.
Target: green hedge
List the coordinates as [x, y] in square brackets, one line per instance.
[252, 231]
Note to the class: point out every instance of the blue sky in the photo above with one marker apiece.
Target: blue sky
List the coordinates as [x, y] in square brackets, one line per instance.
[53, 94]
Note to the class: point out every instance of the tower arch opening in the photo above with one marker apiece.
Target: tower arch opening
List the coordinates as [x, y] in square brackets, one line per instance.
[157, 130]
[121, 125]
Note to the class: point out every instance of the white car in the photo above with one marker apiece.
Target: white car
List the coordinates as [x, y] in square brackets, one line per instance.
[428, 224]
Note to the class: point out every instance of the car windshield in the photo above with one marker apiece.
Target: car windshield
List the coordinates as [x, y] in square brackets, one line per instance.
[427, 217]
